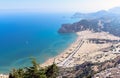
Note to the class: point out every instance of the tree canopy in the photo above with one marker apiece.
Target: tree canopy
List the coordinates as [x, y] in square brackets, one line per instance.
[35, 71]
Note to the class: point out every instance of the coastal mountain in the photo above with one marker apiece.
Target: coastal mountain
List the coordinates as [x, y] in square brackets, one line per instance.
[99, 21]
[107, 24]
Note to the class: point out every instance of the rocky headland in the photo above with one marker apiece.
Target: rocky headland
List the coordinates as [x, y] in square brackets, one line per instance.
[107, 24]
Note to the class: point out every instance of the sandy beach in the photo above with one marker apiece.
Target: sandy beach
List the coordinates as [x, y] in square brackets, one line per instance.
[86, 48]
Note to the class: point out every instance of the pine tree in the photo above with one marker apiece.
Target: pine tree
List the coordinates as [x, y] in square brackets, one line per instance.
[35, 71]
[52, 71]
[17, 73]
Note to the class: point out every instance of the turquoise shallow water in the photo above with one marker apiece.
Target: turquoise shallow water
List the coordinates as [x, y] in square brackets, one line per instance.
[31, 35]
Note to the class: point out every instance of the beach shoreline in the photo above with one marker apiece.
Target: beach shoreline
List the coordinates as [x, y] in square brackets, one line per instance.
[51, 60]
[82, 48]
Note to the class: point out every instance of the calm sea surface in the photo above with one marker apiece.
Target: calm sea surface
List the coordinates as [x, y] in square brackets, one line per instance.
[23, 36]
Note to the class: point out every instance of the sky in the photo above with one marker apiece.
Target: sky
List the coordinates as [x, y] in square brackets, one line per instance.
[58, 5]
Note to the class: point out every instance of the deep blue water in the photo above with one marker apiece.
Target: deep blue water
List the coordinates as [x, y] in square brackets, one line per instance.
[31, 35]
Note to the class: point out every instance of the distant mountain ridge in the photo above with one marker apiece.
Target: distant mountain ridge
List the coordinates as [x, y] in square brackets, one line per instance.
[115, 10]
[97, 14]
[90, 15]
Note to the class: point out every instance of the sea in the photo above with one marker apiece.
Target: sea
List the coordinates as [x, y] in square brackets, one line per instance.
[32, 35]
